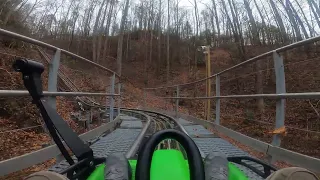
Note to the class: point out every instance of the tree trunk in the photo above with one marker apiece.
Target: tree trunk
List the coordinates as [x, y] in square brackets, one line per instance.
[151, 36]
[315, 6]
[72, 34]
[94, 33]
[3, 5]
[196, 14]
[28, 14]
[9, 13]
[264, 26]
[312, 21]
[291, 19]
[168, 44]
[234, 31]
[305, 19]
[159, 36]
[128, 46]
[177, 51]
[297, 17]
[316, 16]
[217, 20]
[101, 33]
[254, 29]
[107, 30]
[65, 27]
[279, 21]
[120, 41]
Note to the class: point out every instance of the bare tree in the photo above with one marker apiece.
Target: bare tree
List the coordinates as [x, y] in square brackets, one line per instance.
[95, 32]
[297, 17]
[217, 20]
[30, 11]
[292, 20]
[313, 8]
[74, 19]
[107, 28]
[305, 19]
[159, 33]
[101, 32]
[120, 40]
[264, 25]
[254, 29]
[168, 43]
[279, 21]
[12, 8]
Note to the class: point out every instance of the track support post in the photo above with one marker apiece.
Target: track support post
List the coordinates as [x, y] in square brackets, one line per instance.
[112, 80]
[53, 77]
[280, 89]
[177, 101]
[218, 100]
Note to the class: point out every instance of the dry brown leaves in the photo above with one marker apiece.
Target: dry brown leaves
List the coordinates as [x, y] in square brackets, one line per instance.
[17, 143]
[256, 154]
[24, 173]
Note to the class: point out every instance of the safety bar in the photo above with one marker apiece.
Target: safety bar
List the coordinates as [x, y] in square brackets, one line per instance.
[310, 95]
[51, 47]
[135, 147]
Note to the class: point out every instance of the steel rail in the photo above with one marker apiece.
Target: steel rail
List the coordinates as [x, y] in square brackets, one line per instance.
[14, 93]
[160, 123]
[180, 127]
[51, 47]
[254, 59]
[135, 147]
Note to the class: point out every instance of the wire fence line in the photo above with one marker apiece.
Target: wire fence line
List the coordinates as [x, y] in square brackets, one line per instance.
[267, 123]
[308, 95]
[260, 71]
[254, 59]
[8, 54]
[20, 129]
[183, 86]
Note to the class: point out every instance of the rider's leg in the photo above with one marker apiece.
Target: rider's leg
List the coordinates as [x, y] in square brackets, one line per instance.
[293, 173]
[46, 175]
[117, 167]
[216, 166]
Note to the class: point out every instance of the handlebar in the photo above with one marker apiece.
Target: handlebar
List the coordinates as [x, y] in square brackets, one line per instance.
[194, 158]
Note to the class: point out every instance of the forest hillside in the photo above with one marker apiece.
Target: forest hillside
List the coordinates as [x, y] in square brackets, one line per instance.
[160, 42]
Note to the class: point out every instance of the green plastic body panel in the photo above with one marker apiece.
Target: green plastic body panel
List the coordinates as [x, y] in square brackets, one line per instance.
[133, 164]
[235, 173]
[98, 173]
[168, 165]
